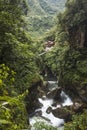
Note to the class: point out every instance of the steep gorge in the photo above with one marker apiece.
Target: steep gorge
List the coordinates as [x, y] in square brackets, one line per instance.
[27, 64]
[67, 60]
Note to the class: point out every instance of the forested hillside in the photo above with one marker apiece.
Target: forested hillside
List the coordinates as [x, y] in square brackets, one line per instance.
[17, 65]
[46, 78]
[44, 7]
[40, 17]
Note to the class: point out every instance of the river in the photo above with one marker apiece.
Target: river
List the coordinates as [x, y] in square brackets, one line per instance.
[49, 118]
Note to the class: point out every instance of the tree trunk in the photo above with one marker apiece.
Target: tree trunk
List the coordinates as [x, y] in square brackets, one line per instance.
[82, 40]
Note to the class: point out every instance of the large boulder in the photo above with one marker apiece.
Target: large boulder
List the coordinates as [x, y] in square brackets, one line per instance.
[66, 112]
[78, 107]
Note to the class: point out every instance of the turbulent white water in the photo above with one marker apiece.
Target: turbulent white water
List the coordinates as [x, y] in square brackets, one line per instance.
[52, 82]
[67, 100]
[53, 120]
[50, 118]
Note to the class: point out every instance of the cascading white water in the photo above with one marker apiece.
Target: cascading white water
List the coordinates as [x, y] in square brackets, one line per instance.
[53, 84]
[46, 104]
[67, 100]
[50, 118]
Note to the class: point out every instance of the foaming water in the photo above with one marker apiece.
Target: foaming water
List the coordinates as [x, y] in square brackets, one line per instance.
[53, 120]
[52, 82]
[48, 117]
[67, 100]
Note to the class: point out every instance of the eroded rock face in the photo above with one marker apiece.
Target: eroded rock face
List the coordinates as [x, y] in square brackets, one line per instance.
[36, 91]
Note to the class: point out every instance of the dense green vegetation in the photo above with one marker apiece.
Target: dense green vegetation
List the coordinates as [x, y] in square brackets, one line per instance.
[68, 59]
[16, 46]
[43, 125]
[20, 65]
[40, 17]
[70, 49]
[13, 113]
[17, 65]
[79, 122]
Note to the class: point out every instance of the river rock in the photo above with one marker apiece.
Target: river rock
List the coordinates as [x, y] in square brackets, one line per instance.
[55, 103]
[36, 113]
[55, 93]
[49, 109]
[62, 113]
[78, 107]
[66, 112]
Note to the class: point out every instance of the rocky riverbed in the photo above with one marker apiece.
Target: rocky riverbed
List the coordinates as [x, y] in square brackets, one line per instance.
[49, 103]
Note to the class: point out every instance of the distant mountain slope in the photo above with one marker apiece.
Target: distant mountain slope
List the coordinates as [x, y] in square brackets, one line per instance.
[35, 8]
[57, 5]
[41, 13]
[43, 7]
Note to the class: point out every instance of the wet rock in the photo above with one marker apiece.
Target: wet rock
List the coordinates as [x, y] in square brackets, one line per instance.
[45, 118]
[36, 113]
[78, 107]
[49, 109]
[40, 92]
[54, 104]
[66, 112]
[32, 102]
[57, 104]
[62, 113]
[43, 97]
[45, 86]
[54, 94]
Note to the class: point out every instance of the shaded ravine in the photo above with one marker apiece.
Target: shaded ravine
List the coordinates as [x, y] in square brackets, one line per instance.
[41, 114]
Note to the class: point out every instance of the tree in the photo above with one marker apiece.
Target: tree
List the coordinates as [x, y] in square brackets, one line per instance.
[75, 21]
[16, 46]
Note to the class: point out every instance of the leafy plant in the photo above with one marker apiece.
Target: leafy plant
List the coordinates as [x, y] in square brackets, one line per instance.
[13, 114]
[43, 126]
[79, 122]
